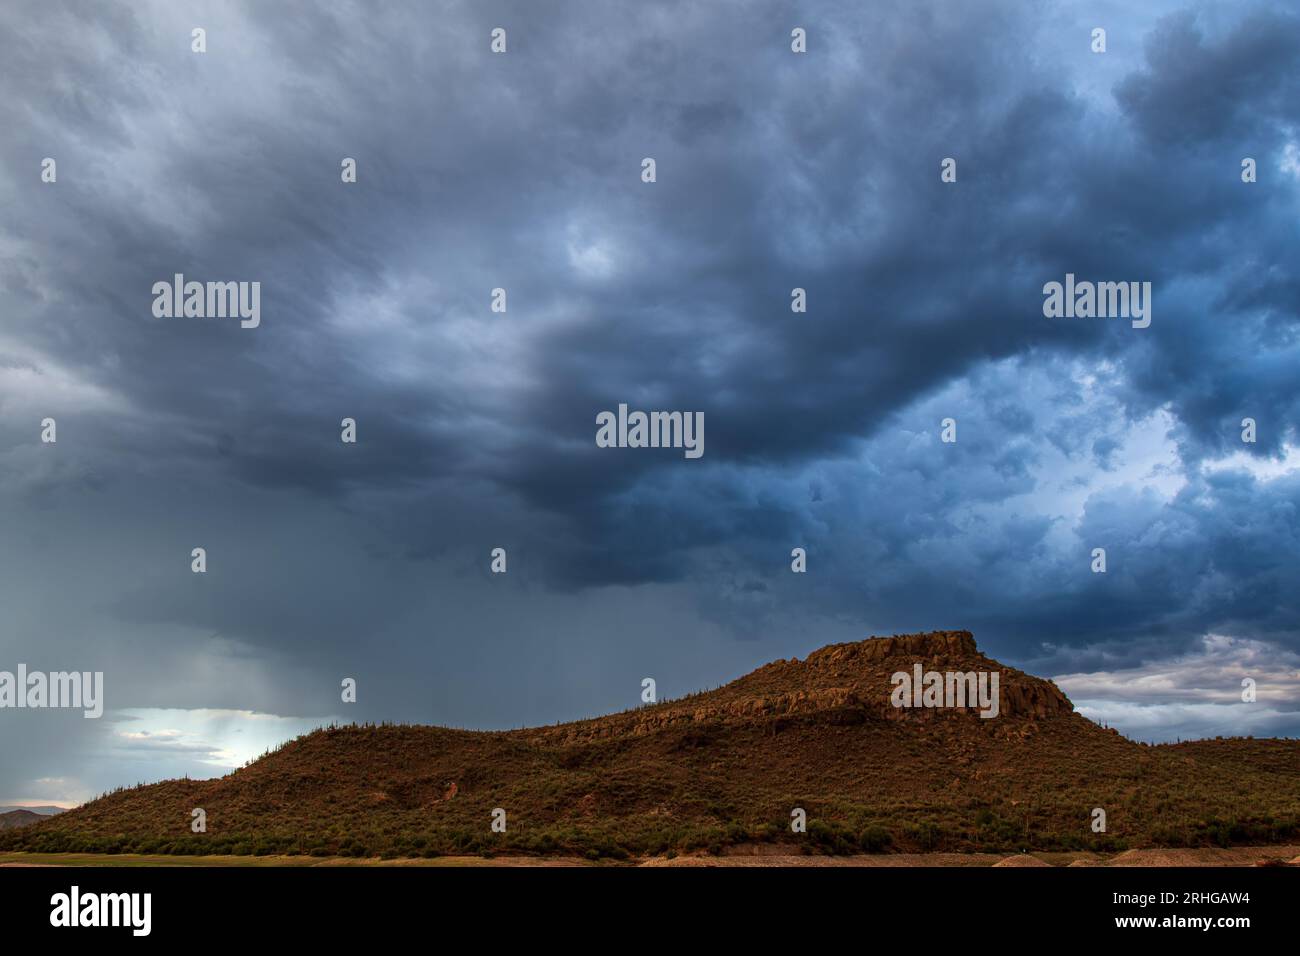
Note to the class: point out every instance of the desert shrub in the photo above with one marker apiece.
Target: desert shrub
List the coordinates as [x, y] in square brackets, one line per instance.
[832, 837]
[925, 835]
[1219, 834]
[1168, 836]
[875, 839]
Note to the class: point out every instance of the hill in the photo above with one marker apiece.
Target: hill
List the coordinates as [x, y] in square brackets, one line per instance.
[43, 810]
[13, 819]
[723, 767]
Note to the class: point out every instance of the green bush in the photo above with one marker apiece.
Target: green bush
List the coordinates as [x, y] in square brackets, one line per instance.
[875, 839]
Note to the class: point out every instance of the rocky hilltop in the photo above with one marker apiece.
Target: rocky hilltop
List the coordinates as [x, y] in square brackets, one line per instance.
[853, 679]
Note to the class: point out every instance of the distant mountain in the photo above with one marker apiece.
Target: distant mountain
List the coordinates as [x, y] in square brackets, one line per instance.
[728, 766]
[43, 811]
[13, 819]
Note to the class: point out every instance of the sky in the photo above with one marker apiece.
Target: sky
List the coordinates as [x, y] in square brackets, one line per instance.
[523, 171]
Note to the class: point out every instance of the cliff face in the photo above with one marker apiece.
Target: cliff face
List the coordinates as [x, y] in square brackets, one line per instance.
[932, 644]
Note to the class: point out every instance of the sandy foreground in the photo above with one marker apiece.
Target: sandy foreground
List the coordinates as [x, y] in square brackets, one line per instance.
[767, 856]
[1240, 856]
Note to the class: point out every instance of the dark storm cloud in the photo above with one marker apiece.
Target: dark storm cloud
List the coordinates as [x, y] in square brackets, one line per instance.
[1197, 90]
[477, 429]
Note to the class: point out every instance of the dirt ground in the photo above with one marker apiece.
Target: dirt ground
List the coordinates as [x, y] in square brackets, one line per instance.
[765, 855]
[1237, 856]
[153, 860]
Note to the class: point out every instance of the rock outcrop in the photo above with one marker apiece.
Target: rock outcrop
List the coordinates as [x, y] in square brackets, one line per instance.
[845, 683]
